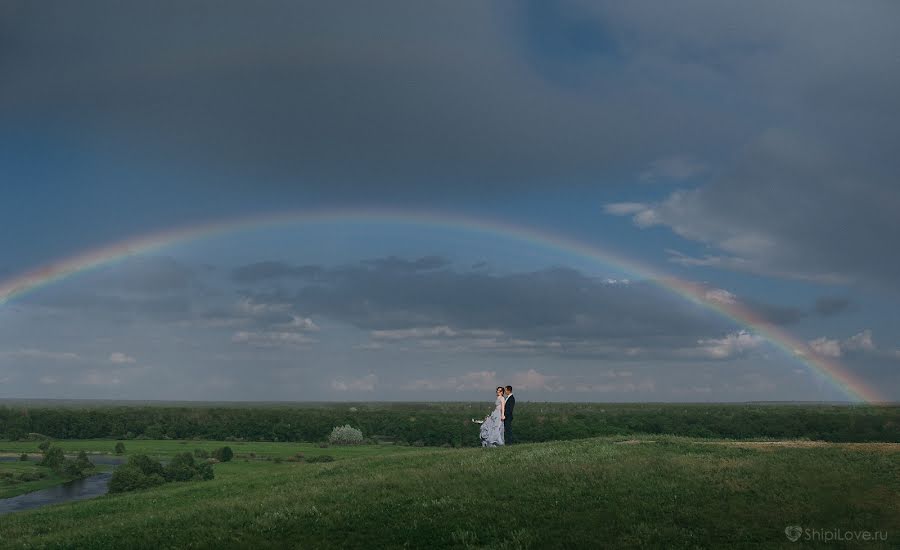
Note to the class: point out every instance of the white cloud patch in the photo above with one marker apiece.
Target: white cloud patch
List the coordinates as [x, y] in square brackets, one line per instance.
[477, 380]
[828, 347]
[94, 377]
[276, 325]
[364, 383]
[445, 338]
[734, 344]
[534, 380]
[825, 347]
[861, 341]
[302, 323]
[268, 339]
[719, 295]
[414, 333]
[253, 308]
[120, 358]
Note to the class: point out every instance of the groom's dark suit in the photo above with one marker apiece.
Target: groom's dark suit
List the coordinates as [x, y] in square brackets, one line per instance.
[507, 424]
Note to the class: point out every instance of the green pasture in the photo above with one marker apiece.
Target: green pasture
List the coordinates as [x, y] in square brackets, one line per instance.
[167, 448]
[614, 492]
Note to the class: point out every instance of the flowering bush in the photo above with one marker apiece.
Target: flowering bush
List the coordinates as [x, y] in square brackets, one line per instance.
[345, 435]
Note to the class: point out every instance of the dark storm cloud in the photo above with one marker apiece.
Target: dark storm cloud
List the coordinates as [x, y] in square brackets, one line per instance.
[560, 304]
[375, 97]
[262, 271]
[811, 193]
[273, 270]
[395, 264]
[775, 314]
[827, 306]
[792, 209]
[789, 107]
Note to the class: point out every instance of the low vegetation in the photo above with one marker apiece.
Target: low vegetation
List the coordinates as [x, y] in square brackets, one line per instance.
[54, 467]
[448, 424]
[611, 492]
[223, 454]
[142, 472]
[55, 459]
[23, 477]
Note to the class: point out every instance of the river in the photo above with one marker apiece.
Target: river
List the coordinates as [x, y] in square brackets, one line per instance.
[78, 489]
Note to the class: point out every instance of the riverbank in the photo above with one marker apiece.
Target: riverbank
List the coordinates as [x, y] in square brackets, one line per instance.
[12, 485]
[43, 493]
[12, 471]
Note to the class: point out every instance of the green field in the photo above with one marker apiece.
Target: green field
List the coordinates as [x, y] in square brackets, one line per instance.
[614, 492]
[168, 448]
[11, 485]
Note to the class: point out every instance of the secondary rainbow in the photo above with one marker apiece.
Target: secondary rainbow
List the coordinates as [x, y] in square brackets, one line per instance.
[839, 376]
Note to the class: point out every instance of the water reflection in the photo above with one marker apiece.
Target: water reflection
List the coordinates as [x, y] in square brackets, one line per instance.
[79, 489]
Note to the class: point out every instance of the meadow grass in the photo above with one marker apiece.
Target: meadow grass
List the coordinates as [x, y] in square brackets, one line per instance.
[10, 487]
[658, 491]
[169, 448]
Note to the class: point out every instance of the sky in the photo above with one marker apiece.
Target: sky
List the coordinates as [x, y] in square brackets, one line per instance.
[451, 197]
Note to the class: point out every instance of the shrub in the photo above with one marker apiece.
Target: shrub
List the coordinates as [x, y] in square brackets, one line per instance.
[56, 460]
[120, 448]
[320, 458]
[44, 445]
[53, 457]
[82, 464]
[345, 435]
[146, 465]
[130, 477]
[223, 454]
[23, 457]
[201, 453]
[31, 476]
[183, 468]
[141, 472]
[72, 468]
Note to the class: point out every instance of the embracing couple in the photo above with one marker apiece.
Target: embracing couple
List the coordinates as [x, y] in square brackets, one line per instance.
[496, 429]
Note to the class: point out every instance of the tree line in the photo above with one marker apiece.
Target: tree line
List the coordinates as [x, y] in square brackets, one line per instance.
[449, 424]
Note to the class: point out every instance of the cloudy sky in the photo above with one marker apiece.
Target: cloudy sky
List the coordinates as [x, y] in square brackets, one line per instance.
[746, 148]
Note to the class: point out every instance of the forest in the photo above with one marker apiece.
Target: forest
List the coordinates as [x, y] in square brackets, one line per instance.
[448, 424]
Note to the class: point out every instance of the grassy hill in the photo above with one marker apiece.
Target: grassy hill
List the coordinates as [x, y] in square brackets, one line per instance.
[605, 492]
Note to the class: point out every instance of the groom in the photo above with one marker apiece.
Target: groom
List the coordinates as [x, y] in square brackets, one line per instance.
[507, 420]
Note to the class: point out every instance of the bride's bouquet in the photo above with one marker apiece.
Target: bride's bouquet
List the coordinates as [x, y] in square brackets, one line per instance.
[477, 421]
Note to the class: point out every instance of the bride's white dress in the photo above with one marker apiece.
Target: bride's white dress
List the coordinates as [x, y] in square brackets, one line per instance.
[492, 428]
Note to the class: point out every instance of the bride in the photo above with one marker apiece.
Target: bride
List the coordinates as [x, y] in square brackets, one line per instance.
[492, 425]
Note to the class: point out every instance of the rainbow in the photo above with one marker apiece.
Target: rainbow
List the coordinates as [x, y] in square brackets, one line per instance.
[724, 304]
